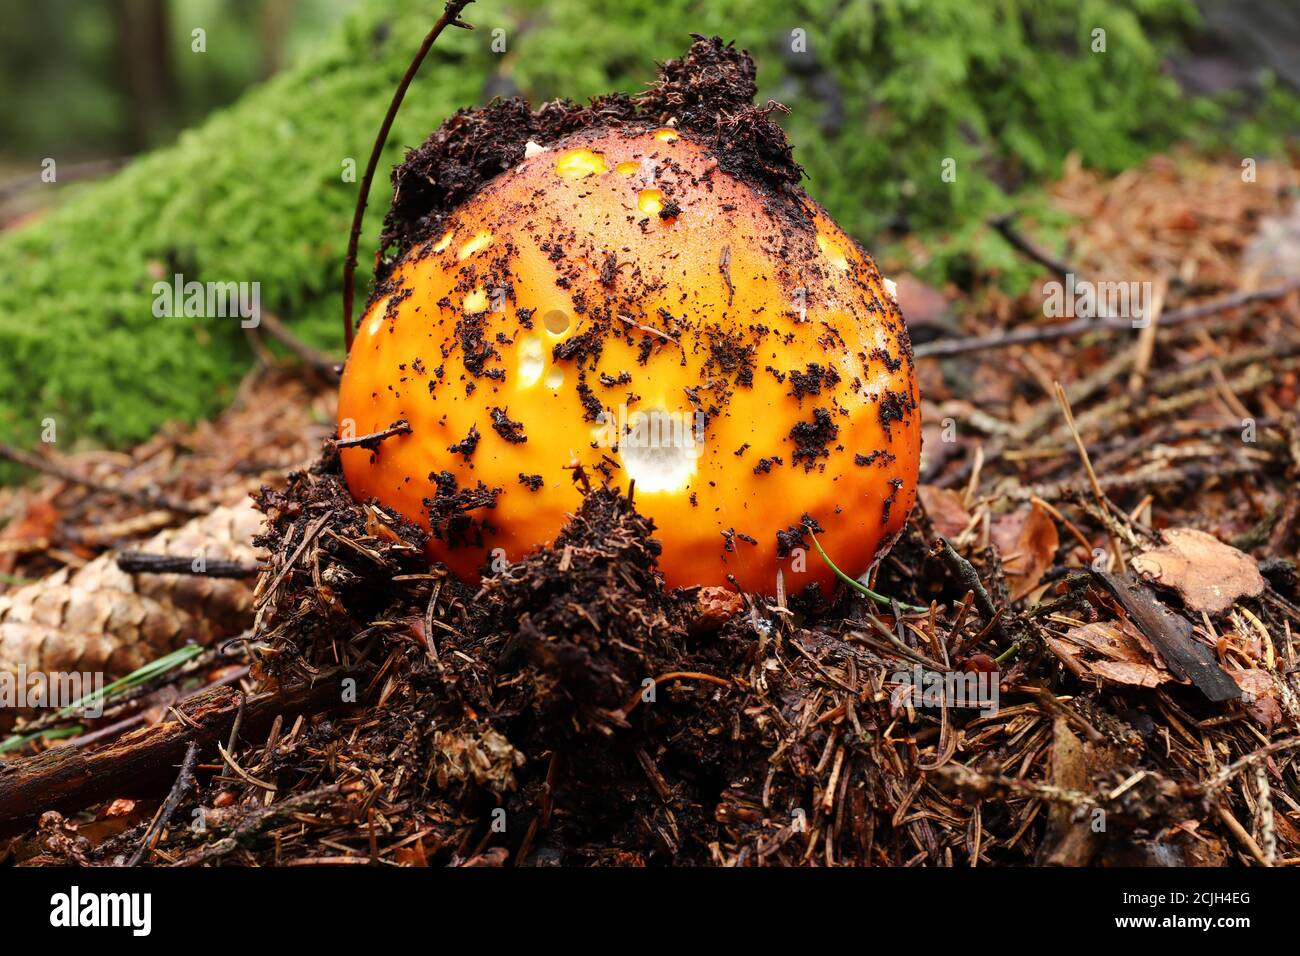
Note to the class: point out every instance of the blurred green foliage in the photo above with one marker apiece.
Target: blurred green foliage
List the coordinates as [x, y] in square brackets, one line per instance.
[62, 68]
[885, 93]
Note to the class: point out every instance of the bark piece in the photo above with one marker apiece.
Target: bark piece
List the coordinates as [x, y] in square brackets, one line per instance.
[1171, 635]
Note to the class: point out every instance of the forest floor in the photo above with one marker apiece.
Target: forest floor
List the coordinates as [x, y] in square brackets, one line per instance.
[1109, 564]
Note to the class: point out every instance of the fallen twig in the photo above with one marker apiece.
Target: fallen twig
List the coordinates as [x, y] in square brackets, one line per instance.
[1006, 227]
[149, 499]
[316, 360]
[450, 15]
[184, 780]
[141, 562]
[372, 440]
[1082, 326]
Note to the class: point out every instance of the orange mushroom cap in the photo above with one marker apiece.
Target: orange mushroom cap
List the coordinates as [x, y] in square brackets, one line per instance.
[621, 303]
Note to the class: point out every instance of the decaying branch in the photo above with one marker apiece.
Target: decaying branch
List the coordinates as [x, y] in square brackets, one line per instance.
[145, 762]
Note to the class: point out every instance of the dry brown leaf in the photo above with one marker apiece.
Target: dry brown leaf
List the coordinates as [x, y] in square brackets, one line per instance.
[945, 508]
[1028, 541]
[1115, 652]
[1068, 842]
[1130, 672]
[1208, 574]
[412, 855]
[1116, 641]
[1069, 655]
[1259, 694]
[35, 527]
[120, 807]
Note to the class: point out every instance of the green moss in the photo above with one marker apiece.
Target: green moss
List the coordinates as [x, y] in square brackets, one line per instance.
[256, 193]
[886, 92]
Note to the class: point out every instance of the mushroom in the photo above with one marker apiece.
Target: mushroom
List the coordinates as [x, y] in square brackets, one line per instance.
[629, 304]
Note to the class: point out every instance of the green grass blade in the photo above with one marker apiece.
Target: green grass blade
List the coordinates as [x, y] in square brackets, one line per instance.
[855, 583]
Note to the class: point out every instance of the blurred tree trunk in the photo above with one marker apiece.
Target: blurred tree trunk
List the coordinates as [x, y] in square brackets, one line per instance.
[145, 68]
[276, 18]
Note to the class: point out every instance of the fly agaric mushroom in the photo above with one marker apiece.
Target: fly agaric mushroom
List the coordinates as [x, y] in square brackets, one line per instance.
[635, 298]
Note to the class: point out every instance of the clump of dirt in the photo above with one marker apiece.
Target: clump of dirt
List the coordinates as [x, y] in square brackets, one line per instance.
[710, 90]
[559, 682]
[590, 616]
[363, 546]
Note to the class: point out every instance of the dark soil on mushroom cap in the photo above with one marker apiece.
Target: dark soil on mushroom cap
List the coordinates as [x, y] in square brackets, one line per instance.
[709, 91]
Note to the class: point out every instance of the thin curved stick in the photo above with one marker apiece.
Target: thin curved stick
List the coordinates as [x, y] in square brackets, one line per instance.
[450, 16]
